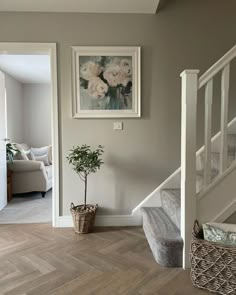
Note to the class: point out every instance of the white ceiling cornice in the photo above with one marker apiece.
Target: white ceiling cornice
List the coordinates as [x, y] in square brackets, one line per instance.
[88, 6]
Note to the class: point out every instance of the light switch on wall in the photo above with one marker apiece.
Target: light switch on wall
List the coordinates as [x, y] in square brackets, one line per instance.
[118, 126]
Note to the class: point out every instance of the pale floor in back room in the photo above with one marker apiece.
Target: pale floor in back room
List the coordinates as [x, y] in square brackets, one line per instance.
[28, 208]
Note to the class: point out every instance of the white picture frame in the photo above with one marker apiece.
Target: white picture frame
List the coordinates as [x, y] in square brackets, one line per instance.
[106, 82]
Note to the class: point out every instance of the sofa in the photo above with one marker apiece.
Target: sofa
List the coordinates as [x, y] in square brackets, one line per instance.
[31, 169]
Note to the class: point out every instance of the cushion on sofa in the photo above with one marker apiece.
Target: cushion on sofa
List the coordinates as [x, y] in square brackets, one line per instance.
[22, 146]
[42, 151]
[43, 158]
[220, 233]
[24, 152]
[21, 155]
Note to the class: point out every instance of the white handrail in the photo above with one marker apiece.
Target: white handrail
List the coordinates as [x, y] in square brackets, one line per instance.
[217, 67]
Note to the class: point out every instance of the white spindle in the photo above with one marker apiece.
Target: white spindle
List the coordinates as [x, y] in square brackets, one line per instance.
[224, 118]
[188, 158]
[208, 119]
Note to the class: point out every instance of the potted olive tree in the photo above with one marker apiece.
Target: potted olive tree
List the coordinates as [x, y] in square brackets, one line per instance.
[84, 161]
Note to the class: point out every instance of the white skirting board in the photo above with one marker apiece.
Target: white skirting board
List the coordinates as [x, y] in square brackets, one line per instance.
[105, 220]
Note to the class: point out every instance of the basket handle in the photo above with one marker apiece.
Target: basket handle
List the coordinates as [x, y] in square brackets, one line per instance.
[196, 228]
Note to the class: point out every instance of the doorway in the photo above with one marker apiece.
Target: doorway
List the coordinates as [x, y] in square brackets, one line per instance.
[31, 50]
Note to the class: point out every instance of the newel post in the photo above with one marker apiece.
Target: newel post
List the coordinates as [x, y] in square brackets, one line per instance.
[188, 158]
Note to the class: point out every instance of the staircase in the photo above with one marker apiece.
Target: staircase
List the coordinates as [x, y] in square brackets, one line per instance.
[162, 229]
[204, 187]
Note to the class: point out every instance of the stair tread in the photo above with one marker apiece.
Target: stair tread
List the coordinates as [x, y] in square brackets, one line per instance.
[161, 226]
[163, 237]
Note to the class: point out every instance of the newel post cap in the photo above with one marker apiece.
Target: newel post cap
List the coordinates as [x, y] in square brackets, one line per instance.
[189, 72]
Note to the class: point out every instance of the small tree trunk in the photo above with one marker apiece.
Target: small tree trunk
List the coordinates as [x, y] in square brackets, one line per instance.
[85, 192]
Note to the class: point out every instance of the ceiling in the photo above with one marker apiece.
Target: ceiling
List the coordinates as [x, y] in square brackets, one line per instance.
[93, 6]
[26, 68]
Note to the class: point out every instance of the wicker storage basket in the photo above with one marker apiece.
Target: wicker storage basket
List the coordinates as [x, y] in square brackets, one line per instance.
[213, 265]
[83, 221]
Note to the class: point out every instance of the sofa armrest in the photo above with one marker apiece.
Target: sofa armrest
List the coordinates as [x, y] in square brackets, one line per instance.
[25, 166]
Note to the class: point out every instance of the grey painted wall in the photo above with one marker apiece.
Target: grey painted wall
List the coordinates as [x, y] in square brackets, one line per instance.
[14, 100]
[28, 112]
[231, 219]
[37, 114]
[184, 34]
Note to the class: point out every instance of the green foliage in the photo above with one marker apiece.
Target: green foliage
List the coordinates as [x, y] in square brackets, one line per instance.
[85, 161]
[11, 150]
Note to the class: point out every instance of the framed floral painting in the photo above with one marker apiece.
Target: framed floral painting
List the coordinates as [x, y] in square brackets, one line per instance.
[106, 82]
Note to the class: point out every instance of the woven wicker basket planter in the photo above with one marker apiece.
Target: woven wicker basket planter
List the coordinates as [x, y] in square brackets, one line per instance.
[213, 266]
[83, 220]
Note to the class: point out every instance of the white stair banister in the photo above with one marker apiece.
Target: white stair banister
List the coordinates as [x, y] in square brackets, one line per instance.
[190, 86]
[224, 118]
[188, 153]
[217, 67]
[208, 119]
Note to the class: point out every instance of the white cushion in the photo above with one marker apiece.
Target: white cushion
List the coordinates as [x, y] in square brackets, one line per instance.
[43, 158]
[21, 156]
[25, 152]
[22, 146]
[29, 154]
[42, 151]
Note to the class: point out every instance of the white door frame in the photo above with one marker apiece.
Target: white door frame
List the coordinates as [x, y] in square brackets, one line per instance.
[3, 164]
[49, 49]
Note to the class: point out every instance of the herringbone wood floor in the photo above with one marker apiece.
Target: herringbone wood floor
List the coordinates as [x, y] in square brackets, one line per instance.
[36, 259]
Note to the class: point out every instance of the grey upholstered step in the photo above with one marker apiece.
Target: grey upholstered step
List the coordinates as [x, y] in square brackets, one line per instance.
[170, 202]
[163, 236]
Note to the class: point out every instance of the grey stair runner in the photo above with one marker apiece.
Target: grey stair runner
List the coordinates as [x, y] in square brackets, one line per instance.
[170, 202]
[161, 227]
[162, 224]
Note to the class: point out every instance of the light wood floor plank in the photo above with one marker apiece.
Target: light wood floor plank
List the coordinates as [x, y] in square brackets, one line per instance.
[36, 259]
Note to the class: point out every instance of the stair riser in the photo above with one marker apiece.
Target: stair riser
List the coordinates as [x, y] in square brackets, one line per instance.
[165, 256]
[170, 201]
[163, 237]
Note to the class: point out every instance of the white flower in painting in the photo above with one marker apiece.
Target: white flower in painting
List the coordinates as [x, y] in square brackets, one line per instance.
[112, 74]
[118, 72]
[125, 72]
[90, 70]
[126, 67]
[97, 88]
